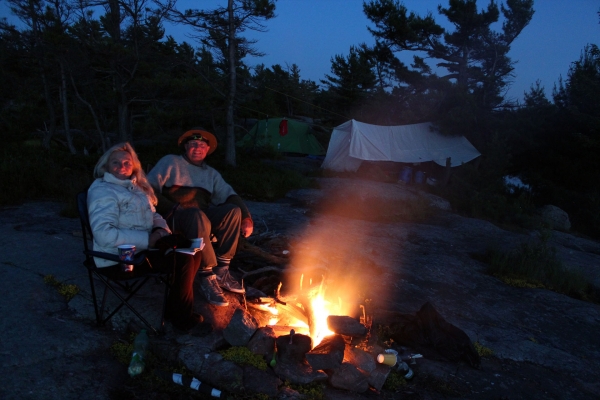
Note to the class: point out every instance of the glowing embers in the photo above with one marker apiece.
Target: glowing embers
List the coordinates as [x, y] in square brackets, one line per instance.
[306, 312]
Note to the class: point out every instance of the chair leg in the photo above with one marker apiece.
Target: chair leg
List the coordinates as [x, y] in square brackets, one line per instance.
[102, 322]
[131, 289]
[124, 302]
[167, 282]
[95, 301]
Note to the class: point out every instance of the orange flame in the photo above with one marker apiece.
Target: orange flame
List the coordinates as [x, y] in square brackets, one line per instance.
[321, 310]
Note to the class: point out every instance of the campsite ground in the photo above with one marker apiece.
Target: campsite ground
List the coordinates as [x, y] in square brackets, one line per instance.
[545, 344]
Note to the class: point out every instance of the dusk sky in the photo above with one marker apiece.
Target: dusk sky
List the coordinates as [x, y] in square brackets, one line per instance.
[309, 33]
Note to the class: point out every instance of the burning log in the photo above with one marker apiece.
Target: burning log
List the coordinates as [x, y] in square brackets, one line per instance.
[311, 320]
[259, 271]
[293, 311]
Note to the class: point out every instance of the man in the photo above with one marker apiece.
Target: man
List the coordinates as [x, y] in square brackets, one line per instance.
[207, 205]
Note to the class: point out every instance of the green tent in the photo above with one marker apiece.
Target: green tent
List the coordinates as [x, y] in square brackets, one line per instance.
[284, 135]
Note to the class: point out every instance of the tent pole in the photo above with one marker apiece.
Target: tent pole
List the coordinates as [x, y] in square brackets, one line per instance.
[448, 171]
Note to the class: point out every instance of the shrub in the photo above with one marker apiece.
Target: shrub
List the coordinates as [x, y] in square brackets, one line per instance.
[485, 196]
[31, 173]
[536, 265]
[255, 180]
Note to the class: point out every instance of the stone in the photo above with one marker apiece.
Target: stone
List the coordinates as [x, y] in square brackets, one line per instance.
[210, 342]
[360, 358]
[378, 376]
[331, 393]
[438, 266]
[207, 361]
[328, 354]
[195, 350]
[263, 342]
[240, 329]
[165, 350]
[225, 375]
[348, 377]
[555, 217]
[257, 381]
[293, 348]
[299, 373]
[287, 393]
[345, 325]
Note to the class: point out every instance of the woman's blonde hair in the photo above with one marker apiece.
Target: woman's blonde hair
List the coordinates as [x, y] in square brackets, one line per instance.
[138, 173]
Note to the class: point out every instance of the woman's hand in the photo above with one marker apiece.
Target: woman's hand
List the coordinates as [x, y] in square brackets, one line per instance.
[155, 235]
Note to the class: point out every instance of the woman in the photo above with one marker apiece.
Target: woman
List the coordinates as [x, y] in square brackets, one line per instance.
[121, 209]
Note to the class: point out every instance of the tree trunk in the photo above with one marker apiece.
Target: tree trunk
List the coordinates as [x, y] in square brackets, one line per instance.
[51, 113]
[230, 140]
[65, 108]
[119, 87]
[115, 20]
[103, 140]
[123, 111]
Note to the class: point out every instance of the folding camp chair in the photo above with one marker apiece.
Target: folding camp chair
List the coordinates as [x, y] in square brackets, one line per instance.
[124, 285]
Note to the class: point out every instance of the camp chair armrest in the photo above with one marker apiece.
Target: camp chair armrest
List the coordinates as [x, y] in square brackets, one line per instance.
[138, 259]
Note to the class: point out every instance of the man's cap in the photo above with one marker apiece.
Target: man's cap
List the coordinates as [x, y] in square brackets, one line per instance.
[199, 134]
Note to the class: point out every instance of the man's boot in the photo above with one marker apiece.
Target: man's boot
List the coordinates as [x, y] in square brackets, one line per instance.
[213, 293]
[224, 278]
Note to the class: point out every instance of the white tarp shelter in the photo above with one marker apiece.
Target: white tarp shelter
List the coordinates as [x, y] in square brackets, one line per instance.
[353, 142]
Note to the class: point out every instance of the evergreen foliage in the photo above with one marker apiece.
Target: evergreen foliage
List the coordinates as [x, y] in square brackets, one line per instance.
[554, 146]
[80, 82]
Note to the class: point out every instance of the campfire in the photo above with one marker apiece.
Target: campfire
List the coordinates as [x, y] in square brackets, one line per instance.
[315, 287]
[312, 322]
[303, 312]
[313, 334]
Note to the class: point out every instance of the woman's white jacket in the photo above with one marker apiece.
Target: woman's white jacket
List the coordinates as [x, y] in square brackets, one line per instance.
[120, 213]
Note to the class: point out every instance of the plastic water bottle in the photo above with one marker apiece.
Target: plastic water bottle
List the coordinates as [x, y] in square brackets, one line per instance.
[140, 345]
[404, 369]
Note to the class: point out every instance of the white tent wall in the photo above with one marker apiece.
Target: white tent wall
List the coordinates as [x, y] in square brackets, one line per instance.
[338, 156]
[353, 142]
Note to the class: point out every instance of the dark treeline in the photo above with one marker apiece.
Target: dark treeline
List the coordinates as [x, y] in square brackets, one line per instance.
[86, 80]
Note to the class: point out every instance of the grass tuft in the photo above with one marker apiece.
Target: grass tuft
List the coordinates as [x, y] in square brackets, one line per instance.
[68, 291]
[394, 381]
[482, 350]
[243, 356]
[309, 391]
[122, 350]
